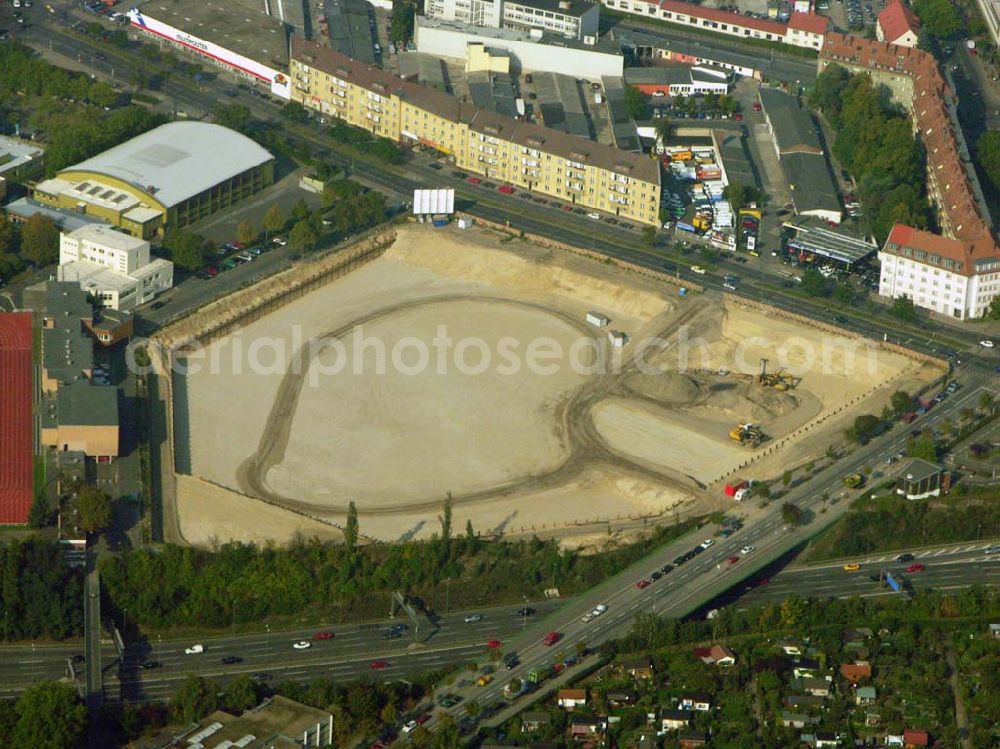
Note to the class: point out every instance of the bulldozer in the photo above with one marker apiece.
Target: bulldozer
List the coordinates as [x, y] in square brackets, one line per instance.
[747, 434]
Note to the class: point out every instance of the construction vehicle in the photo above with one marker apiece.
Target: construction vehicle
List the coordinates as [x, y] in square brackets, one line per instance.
[854, 480]
[747, 434]
[779, 380]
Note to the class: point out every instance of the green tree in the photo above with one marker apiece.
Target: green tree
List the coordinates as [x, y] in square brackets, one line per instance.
[904, 309]
[736, 194]
[194, 699]
[901, 402]
[234, 116]
[246, 233]
[295, 112]
[94, 507]
[300, 211]
[470, 534]
[274, 220]
[864, 428]
[40, 240]
[351, 526]
[988, 156]
[939, 17]
[792, 514]
[986, 401]
[636, 103]
[814, 283]
[923, 447]
[187, 249]
[240, 695]
[786, 478]
[50, 716]
[445, 519]
[40, 512]
[303, 236]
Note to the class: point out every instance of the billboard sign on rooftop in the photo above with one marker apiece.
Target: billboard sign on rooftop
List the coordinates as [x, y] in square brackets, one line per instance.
[275, 79]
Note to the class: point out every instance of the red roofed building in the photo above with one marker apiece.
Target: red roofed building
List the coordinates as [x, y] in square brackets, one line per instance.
[16, 430]
[913, 739]
[802, 30]
[856, 672]
[897, 24]
[957, 274]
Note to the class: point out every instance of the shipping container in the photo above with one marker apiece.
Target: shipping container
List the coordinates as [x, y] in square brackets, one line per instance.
[734, 486]
[685, 227]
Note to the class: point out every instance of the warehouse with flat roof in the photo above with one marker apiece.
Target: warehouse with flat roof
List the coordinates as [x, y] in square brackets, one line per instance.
[171, 176]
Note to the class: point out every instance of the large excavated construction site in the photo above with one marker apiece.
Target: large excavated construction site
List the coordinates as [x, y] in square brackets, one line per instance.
[644, 414]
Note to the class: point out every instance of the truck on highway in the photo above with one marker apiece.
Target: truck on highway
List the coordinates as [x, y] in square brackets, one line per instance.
[540, 674]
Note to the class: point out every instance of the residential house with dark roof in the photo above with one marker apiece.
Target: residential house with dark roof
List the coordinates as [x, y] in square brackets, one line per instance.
[865, 696]
[535, 720]
[691, 739]
[674, 720]
[586, 727]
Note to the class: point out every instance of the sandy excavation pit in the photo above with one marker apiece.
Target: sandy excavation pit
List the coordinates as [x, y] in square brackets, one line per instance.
[520, 448]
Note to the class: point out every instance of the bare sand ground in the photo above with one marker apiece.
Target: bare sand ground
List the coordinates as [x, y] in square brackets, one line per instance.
[212, 514]
[520, 453]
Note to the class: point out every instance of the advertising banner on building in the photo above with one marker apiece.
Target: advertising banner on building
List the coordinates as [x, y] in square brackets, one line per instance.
[277, 81]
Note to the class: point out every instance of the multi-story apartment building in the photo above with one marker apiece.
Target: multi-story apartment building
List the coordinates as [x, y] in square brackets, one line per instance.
[951, 277]
[962, 261]
[575, 19]
[572, 169]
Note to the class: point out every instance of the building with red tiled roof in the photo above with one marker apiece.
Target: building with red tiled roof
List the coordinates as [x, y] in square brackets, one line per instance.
[802, 29]
[897, 24]
[913, 739]
[16, 429]
[856, 672]
[968, 249]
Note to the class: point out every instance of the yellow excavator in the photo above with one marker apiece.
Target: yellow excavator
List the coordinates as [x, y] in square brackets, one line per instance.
[779, 380]
[747, 434]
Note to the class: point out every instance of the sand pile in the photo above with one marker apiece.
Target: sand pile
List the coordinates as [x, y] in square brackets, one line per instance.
[668, 388]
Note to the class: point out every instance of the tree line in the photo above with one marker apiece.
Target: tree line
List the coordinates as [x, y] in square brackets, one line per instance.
[40, 597]
[875, 143]
[237, 582]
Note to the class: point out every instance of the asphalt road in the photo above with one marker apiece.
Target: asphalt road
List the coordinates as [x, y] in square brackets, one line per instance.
[699, 581]
[946, 568]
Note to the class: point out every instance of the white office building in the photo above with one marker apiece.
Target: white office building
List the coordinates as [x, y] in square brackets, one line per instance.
[113, 267]
[947, 276]
[575, 19]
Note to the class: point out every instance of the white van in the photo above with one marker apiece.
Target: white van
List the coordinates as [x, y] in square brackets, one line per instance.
[194, 649]
[595, 216]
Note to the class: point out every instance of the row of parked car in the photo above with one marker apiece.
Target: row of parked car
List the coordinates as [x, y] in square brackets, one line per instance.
[243, 255]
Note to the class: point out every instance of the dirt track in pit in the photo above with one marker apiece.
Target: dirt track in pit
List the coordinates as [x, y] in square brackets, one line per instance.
[586, 447]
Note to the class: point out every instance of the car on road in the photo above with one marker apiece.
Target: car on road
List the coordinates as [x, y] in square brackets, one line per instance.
[905, 558]
[459, 175]
[302, 645]
[732, 560]
[421, 719]
[379, 665]
[473, 180]
[525, 611]
[194, 650]
[986, 343]
[395, 632]
[435, 165]
[852, 567]
[666, 569]
[595, 216]
[995, 549]
[491, 644]
[448, 700]
[410, 725]
[655, 576]
[748, 549]
[699, 270]
[916, 568]
[644, 583]
[231, 660]
[483, 680]
[706, 543]
[551, 639]
[323, 636]
[280, 241]
[473, 618]
[510, 661]
[599, 609]
[147, 665]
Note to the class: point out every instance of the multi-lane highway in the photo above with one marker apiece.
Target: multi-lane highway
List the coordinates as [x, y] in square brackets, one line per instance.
[695, 583]
[945, 568]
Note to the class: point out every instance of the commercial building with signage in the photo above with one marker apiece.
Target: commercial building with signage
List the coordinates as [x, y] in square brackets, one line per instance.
[521, 154]
[251, 43]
